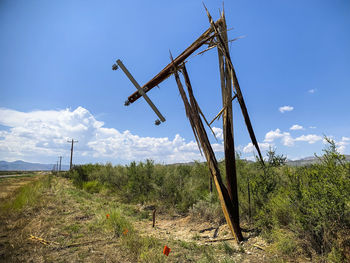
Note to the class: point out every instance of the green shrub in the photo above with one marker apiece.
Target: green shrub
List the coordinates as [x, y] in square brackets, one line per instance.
[308, 206]
[113, 220]
[92, 187]
[285, 242]
[208, 209]
[313, 202]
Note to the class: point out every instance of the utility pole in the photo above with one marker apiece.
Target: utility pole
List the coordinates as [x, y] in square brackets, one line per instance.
[59, 169]
[214, 36]
[71, 153]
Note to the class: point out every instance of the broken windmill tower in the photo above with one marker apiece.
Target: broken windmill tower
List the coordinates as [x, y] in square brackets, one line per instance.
[214, 36]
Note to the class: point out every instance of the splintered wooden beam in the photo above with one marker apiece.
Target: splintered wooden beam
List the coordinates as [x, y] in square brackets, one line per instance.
[221, 45]
[229, 147]
[167, 71]
[192, 112]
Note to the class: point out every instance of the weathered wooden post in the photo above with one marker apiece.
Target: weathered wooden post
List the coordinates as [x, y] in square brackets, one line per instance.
[192, 112]
[71, 154]
[59, 169]
[229, 147]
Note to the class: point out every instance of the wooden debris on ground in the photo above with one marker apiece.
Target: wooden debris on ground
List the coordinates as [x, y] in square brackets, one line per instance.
[41, 240]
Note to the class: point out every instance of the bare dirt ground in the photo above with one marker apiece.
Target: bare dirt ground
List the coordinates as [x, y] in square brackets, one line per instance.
[65, 219]
[207, 234]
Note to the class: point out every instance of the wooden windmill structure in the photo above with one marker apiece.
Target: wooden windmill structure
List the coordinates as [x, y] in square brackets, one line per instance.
[215, 37]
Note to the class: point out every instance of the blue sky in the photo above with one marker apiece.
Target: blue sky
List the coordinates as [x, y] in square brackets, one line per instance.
[56, 80]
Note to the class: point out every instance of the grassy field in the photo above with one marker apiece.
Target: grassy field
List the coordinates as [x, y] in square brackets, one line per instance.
[50, 220]
[103, 213]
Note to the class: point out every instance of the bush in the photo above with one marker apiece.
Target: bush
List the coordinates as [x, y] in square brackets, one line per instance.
[92, 187]
[208, 209]
[305, 207]
[313, 202]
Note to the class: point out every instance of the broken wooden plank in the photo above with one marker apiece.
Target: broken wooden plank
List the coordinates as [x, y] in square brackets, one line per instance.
[219, 240]
[229, 146]
[192, 112]
[167, 71]
[220, 112]
[221, 45]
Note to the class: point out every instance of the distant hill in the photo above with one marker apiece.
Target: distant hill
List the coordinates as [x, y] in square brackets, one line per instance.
[24, 166]
[308, 161]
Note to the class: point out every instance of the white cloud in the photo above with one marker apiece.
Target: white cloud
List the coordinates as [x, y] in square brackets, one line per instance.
[285, 108]
[312, 127]
[218, 133]
[341, 145]
[312, 91]
[44, 134]
[250, 158]
[288, 140]
[272, 135]
[250, 147]
[296, 127]
[310, 138]
[285, 137]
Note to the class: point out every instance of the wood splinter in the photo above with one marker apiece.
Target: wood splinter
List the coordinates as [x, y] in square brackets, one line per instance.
[154, 217]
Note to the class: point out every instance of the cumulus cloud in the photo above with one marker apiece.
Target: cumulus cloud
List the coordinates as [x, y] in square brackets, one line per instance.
[310, 138]
[341, 145]
[285, 137]
[250, 147]
[285, 108]
[44, 134]
[218, 133]
[312, 91]
[288, 140]
[296, 127]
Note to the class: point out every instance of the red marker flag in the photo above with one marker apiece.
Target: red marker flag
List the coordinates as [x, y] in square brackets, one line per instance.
[166, 250]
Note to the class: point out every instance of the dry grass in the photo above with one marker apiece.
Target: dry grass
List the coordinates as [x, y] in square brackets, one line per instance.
[75, 226]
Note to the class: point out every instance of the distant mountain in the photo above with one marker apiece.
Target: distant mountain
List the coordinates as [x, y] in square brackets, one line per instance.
[309, 160]
[24, 166]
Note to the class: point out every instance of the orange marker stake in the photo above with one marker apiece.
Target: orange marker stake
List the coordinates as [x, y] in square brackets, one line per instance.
[166, 250]
[125, 232]
[107, 216]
